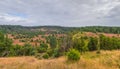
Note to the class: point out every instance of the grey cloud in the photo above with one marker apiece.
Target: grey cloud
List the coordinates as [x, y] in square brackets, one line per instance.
[63, 12]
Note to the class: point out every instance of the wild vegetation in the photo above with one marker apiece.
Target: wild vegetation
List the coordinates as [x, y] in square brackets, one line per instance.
[85, 44]
[89, 60]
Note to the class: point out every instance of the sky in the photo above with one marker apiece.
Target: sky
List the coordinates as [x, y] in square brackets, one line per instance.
[72, 13]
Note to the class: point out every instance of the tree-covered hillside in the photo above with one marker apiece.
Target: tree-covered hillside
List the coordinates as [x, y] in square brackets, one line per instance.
[51, 29]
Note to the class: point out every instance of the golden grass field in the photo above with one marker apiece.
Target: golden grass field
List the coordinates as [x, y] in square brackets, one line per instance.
[90, 60]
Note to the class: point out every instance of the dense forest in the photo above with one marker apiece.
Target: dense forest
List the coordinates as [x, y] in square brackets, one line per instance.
[22, 29]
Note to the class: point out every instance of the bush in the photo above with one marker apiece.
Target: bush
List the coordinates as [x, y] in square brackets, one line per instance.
[73, 55]
[45, 56]
[41, 56]
[38, 56]
[50, 52]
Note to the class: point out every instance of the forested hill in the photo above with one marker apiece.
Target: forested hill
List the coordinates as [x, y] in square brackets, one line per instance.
[18, 28]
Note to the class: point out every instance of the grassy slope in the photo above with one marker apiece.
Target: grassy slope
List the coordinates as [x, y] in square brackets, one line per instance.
[90, 60]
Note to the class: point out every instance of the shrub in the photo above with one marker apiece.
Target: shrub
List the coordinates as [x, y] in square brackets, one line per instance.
[45, 56]
[38, 56]
[73, 55]
[50, 52]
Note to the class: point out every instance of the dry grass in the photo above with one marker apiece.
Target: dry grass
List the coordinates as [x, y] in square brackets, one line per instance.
[90, 60]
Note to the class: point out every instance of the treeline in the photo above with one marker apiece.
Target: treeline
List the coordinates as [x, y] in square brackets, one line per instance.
[105, 43]
[32, 29]
[108, 43]
[103, 29]
[85, 43]
[57, 29]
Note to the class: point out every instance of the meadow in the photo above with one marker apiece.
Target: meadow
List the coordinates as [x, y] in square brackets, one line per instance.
[89, 60]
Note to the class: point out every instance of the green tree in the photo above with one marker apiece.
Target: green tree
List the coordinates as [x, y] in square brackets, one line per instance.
[80, 43]
[92, 45]
[53, 41]
[42, 48]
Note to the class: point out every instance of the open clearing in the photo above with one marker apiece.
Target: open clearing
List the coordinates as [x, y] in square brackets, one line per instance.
[90, 60]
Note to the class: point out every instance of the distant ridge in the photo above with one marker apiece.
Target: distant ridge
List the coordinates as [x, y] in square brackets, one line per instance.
[19, 28]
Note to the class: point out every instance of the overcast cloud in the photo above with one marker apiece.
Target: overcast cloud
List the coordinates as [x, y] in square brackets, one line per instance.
[60, 12]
